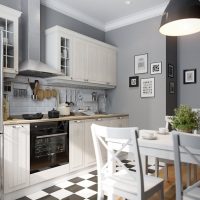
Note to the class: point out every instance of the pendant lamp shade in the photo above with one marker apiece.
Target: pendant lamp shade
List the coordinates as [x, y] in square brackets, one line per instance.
[181, 17]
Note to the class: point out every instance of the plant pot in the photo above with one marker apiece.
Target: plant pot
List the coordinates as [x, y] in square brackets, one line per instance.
[185, 130]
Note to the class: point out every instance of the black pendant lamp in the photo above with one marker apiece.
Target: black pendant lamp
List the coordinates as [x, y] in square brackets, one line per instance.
[181, 17]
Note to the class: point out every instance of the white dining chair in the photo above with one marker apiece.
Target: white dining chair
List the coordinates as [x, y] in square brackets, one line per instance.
[189, 144]
[123, 182]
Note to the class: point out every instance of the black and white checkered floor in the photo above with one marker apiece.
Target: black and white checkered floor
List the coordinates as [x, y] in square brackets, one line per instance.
[83, 187]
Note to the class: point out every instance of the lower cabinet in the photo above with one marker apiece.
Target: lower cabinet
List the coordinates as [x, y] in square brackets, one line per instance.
[81, 146]
[16, 157]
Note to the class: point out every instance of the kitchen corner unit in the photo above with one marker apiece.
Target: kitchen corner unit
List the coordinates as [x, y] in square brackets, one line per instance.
[9, 22]
[80, 58]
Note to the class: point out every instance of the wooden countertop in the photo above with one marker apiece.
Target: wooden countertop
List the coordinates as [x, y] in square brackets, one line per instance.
[23, 121]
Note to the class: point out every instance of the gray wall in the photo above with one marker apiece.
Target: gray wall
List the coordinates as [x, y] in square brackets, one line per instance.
[51, 18]
[135, 39]
[15, 4]
[189, 58]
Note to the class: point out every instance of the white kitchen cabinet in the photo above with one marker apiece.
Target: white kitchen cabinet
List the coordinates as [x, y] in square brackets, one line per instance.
[88, 60]
[80, 60]
[76, 144]
[59, 51]
[119, 122]
[9, 24]
[16, 157]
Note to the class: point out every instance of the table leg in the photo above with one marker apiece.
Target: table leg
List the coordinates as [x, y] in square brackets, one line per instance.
[157, 167]
[144, 160]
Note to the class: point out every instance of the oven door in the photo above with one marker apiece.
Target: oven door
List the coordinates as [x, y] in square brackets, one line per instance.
[48, 151]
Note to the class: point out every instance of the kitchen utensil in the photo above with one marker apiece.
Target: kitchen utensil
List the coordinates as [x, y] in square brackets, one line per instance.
[32, 116]
[163, 131]
[53, 114]
[54, 93]
[47, 93]
[40, 94]
[64, 109]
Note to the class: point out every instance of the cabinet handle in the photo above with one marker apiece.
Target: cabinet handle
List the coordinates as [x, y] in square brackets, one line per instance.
[99, 119]
[108, 83]
[86, 80]
[18, 126]
[78, 121]
[120, 117]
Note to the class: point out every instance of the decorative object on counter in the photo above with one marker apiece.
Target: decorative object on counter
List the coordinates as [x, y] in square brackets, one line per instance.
[47, 93]
[189, 76]
[6, 109]
[40, 94]
[156, 68]
[147, 87]
[134, 81]
[141, 63]
[185, 120]
[34, 86]
[53, 114]
[94, 96]
[170, 71]
[32, 116]
[171, 87]
[64, 109]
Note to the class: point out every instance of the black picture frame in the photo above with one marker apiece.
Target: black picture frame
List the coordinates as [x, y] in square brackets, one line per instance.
[170, 71]
[134, 81]
[159, 65]
[189, 76]
[172, 87]
[137, 63]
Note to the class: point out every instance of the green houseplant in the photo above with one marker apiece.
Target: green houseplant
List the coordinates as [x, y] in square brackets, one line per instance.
[185, 119]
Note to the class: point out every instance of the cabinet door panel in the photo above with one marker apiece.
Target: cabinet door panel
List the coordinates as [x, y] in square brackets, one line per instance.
[76, 145]
[80, 60]
[90, 158]
[16, 157]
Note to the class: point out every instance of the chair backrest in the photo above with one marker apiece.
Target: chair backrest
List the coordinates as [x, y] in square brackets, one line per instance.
[189, 144]
[124, 136]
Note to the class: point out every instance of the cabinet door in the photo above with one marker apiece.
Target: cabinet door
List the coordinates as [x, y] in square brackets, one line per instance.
[76, 145]
[90, 158]
[16, 157]
[119, 122]
[80, 60]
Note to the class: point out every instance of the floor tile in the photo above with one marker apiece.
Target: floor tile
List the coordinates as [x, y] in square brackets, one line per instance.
[73, 197]
[93, 179]
[64, 184]
[51, 189]
[48, 197]
[37, 195]
[61, 194]
[87, 176]
[74, 188]
[86, 183]
[23, 198]
[86, 193]
[93, 197]
[94, 172]
[93, 187]
[76, 180]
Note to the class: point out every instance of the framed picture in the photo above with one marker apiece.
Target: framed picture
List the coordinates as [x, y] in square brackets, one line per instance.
[170, 71]
[171, 87]
[147, 87]
[156, 68]
[189, 76]
[134, 81]
[141, 64]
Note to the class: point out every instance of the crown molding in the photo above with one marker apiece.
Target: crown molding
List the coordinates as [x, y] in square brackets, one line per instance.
[71, 12]
[137, 17]
[111, 25]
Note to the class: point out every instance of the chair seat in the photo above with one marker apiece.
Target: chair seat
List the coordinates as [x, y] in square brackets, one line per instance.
[125, 181]
[192, 194]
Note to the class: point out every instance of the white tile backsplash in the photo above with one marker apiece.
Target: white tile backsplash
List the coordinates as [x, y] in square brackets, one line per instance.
[81, 97]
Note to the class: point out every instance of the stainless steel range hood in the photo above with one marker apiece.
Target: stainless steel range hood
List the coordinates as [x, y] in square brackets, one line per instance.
[32, 66]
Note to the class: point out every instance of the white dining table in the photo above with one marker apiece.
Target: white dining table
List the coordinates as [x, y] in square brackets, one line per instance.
[161, 147]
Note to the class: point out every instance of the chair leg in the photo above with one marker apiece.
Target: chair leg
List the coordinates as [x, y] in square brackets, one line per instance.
[166, 172]
[100, 195]
[156, 167]
[162, 192]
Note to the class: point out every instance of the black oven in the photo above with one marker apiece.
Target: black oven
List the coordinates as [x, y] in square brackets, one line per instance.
[49, 145]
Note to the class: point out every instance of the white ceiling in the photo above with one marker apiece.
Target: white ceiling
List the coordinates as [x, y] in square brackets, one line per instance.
[108, 14]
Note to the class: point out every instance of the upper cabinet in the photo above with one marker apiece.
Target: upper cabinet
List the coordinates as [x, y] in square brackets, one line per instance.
[85, 59]
[9, 25]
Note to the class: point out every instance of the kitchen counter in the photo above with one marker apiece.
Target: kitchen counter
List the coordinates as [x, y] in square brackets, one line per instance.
[96, 116]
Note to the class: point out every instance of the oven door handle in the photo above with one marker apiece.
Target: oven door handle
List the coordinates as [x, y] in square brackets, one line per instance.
[52, 135]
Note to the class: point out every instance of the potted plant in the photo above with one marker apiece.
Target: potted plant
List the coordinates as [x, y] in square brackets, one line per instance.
[185, 120]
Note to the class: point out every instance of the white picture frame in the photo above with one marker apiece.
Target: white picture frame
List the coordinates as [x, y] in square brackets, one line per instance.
[156, 68]
[147, 87]
[141, 64]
